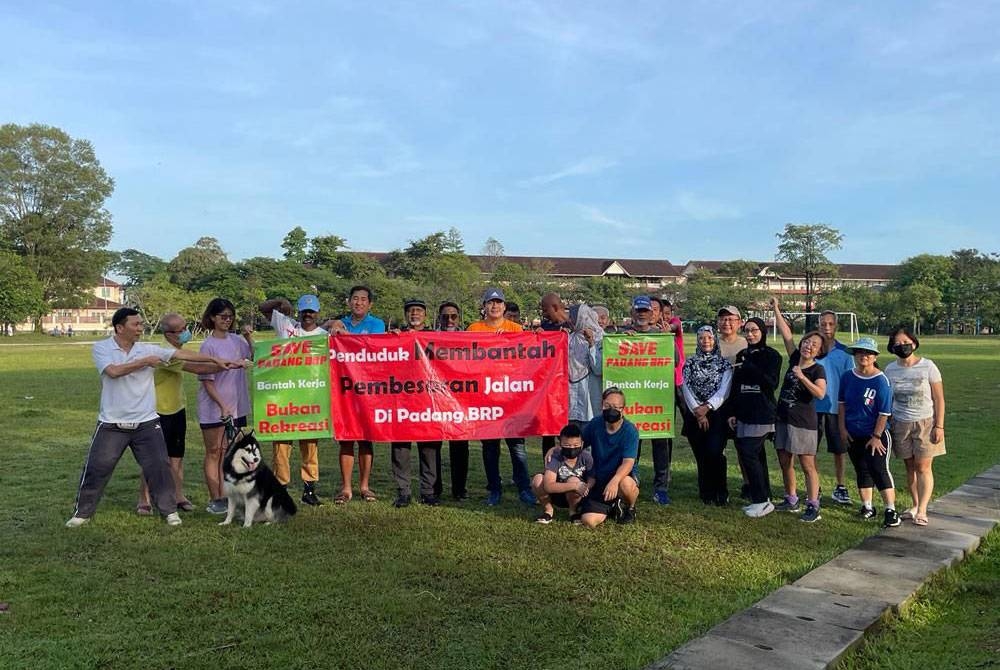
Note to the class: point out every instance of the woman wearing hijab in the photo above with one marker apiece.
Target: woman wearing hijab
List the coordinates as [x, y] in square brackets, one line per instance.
[584, 364]
[707, 379]
[756, 376]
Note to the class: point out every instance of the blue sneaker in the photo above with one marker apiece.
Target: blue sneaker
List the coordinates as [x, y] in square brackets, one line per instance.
[661, 498]
[527, 497]
[493, 499]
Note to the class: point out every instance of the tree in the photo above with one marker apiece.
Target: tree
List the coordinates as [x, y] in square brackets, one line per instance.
[612, 292]
[705, 291]
[138, 267]
[295, 244]
[21, 294]
[157, 296]
[52, 193]
[494, 253]
[802, 249]
[192, 265]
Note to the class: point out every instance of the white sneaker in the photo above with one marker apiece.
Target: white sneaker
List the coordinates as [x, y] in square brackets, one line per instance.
[759, 510]
[77, 521]
[173, 519]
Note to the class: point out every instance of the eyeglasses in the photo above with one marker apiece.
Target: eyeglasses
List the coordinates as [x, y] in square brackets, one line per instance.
[450, 317]
[174, 332]
[226, 317]
[750, 331]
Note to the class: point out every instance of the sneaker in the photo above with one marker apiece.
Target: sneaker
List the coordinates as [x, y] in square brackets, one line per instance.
[628, 516]
[218, 506]
[840, 495]
[402, 500]
[811, 514]
[616, 509]
[460, 495]
[788, 506]
[77, 521]
[527, 497]
[758, 510]
[173, 519]
[890, 519]
[309, 496]
[866, 513]
[661, 498]
[545, 518]
[576, 519]
[430, 501]
[493, 499]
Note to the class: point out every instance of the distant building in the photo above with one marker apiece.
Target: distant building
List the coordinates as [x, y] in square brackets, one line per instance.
[95, 317]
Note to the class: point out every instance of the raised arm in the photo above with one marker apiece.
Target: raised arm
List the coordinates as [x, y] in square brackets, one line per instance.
[783, 328]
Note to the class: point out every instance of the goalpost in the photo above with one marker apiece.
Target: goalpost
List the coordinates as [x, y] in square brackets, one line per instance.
[851, 317]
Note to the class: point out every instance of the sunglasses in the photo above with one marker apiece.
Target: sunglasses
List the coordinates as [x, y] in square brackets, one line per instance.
[450, 317]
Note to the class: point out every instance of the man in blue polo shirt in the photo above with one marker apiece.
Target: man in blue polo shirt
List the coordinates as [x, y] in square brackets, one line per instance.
[614, 444]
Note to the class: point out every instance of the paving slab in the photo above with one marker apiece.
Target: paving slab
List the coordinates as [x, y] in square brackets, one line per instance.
[986, 482]
[844, 581]
[713, 652]
[979, 495]
[837, 610]
[964, 508]
[961, 524]
[887, 565]
[993, 472]
[911, 543]
[938, 536]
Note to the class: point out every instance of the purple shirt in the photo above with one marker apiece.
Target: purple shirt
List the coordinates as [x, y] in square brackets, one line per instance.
[231, 385]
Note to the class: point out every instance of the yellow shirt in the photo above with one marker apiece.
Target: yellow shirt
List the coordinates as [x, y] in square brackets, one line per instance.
[169, 387]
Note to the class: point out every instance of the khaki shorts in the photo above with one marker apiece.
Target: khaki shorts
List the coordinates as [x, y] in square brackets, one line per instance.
[795, 440]
[913, 439]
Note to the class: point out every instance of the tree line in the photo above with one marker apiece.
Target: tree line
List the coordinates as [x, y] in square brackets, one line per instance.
[54, 232]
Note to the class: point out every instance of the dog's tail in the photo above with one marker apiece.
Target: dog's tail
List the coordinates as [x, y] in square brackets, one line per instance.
[285, 502]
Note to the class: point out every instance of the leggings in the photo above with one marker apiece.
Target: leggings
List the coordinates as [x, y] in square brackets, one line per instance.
[872, 469]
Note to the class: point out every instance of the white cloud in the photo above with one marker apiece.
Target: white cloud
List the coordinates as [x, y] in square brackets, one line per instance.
[591, 165]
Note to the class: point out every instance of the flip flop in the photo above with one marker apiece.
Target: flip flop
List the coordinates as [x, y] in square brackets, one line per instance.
[908, 514]
[342, 498]
[919, 520]
[368, 496]
[142, 509]
[185, 506]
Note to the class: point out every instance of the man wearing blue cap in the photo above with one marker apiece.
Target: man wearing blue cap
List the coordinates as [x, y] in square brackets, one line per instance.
[279, 311]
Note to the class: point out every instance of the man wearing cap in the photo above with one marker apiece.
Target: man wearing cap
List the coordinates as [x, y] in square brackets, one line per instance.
[415, 320]
[279, 312]
[493, 321]
[731, 343]
[449, 320]
[127, 416]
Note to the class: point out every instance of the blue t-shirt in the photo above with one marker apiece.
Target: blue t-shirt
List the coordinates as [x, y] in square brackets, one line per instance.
[367, 326]
[864, 398]
[835, 363]
[610, 450]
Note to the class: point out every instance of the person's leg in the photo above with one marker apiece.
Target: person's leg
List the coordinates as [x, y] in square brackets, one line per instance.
[855, 451]
[628, 491]
[175, 433]
[346, 458]
[748, 451]
[177, 471]
[491, 465]
[281, 452]
[399, 456]
[366, 457]
[548, 442]
[438, 478]
[697, 438]
[878, 464]
[429, 454]
[519, 462]
[911, 485]
[309, 468]
[214, 439]
[661, 447]
[106, 447]
[718, 433]
[143, 505]
[150, 452]
[458, 458]
[543, 497]
[787, 464]
[925, 484]
[808, 463]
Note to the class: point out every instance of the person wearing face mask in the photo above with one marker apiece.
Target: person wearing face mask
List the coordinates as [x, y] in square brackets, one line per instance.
[278, 311]
[170, 406]
[917, 424]
[756, 376]
[568, 474]
[614, 443]
[707, 381]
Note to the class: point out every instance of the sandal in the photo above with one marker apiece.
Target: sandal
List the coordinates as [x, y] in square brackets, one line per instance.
[368, 496]
[919, 520]
[908, 514]
[144, 509]
[185, 506]
[342, 498]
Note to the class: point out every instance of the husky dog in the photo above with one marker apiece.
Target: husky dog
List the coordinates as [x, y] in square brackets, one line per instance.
[250, 484]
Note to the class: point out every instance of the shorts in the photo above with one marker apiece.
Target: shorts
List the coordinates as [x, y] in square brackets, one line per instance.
[239, 422]
[594, 503]
[795, 440]
[913, 439]
[559, 500]
[829, 427]
[174, 431]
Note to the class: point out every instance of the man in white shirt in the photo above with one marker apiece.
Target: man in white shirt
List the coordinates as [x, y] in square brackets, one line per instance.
[127, 417]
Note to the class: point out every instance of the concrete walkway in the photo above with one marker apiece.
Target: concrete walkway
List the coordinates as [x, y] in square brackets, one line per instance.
[813, 622]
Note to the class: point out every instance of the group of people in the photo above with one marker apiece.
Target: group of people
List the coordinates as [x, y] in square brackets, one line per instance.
[729, 388]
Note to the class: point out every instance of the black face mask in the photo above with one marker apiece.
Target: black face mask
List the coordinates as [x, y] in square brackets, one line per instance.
[903, 350]
[611, 415]
[570, 452]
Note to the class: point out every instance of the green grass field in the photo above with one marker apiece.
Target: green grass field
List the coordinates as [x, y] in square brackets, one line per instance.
[369, 586]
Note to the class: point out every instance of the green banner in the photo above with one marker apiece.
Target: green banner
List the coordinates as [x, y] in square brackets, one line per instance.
[291, 389]
[642, 365]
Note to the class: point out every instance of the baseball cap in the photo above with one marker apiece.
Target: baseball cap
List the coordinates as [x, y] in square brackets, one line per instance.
[493, 294]
[308, 302]
[414, 302]
[729, 309]
[642, 302]
[864, 344]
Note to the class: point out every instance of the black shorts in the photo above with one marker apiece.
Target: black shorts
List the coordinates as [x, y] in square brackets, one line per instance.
[594, 503]
[559, 500]
[239, 422]
[829, 426]
[174, 431]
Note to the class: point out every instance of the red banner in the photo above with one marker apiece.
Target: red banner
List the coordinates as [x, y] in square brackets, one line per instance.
[422, 386]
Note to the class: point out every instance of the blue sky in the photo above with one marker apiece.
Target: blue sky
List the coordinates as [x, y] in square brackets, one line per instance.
[609, 129]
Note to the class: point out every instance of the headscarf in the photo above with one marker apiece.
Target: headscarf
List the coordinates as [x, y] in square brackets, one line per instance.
[763, 332]
[581, 317]
[703, 370]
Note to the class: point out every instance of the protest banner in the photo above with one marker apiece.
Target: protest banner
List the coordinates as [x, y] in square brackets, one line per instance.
[423, 386]
[290, 389]
[642, 365]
